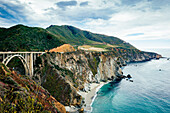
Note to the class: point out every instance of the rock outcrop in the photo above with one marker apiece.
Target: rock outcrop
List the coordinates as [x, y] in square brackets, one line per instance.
[63, 48]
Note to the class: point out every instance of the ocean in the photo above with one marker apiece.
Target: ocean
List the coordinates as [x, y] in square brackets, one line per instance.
[148, 93]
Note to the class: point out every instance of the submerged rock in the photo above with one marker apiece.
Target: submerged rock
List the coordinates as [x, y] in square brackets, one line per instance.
[130, 80]
[129, 76]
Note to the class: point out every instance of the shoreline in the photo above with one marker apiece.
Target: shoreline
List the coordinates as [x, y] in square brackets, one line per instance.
[90, 96]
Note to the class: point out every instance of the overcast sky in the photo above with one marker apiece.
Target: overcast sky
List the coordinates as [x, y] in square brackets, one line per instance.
[144, 23]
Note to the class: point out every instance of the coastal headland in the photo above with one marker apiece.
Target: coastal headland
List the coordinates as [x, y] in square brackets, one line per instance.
[69, 74]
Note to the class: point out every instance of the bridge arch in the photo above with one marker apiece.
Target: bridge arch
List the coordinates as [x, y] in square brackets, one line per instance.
[24, 62]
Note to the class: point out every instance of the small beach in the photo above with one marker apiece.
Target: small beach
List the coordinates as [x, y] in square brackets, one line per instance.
[90, 95]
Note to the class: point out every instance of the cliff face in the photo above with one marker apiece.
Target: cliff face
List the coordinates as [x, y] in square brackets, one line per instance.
[19, 93]
[63, 74]
[107, 68]
[133, 55]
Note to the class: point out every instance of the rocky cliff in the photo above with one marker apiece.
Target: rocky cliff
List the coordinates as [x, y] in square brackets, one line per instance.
[63, 74]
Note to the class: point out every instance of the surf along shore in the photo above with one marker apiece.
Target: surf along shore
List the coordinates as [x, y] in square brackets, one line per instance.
[90, 95]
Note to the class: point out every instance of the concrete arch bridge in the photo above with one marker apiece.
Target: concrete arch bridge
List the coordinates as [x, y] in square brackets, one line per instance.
[27, 59]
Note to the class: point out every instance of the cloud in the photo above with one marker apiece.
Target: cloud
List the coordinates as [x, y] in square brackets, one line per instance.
[12, 12]
[38, 13]
[119, 18]
[64, 4]
[79, 14]
[135, 34]
[131, 19]
[84, 3]
[129, 2]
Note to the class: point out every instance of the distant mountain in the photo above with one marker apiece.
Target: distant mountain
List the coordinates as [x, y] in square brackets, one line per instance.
[69, 34]
[24, 38]
[75, 36]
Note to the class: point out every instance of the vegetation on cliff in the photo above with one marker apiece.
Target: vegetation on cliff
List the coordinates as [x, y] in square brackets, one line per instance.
[93, 61]
[59, 81]
[21, 94]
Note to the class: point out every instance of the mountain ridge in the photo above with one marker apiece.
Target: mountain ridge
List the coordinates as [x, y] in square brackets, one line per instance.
[25, 38]
[91, 38]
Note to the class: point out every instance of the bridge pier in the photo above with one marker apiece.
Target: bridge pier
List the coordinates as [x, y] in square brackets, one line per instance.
[31, 64]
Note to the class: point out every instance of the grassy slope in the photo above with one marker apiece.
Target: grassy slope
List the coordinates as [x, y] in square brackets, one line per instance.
[69, 34]
[23, 38]
[76, 36]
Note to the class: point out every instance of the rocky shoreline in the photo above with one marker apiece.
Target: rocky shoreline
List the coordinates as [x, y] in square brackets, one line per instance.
[69, 76]
[90, 96]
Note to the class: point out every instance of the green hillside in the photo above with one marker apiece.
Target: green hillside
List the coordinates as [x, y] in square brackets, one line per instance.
[75, 36]
[23, 38]
[69, 34]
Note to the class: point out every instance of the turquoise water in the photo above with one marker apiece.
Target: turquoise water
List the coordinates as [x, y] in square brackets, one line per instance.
[149, 93]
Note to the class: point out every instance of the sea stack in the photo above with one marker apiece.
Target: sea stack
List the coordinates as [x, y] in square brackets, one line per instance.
[129, 76]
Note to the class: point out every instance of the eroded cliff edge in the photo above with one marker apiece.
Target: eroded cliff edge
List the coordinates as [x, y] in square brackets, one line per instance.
[63, 74]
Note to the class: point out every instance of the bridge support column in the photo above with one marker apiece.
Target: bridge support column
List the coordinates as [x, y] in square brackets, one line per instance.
[31, 64]
[26, 57]
[34, 57]
[3, 57]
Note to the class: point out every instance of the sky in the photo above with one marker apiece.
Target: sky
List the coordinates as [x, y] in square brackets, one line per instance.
[143, 23]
